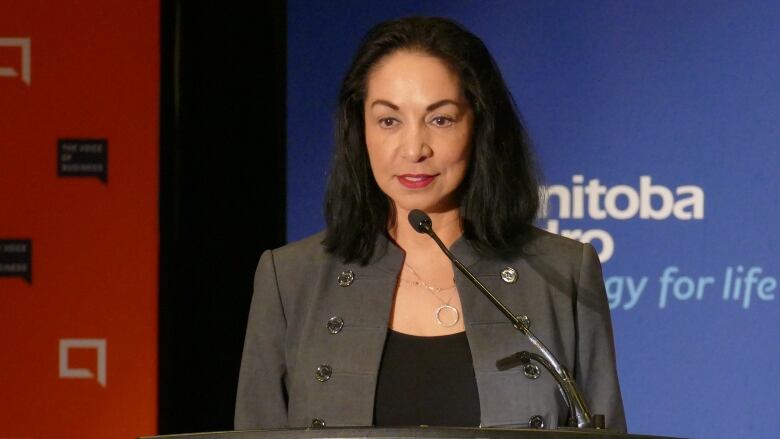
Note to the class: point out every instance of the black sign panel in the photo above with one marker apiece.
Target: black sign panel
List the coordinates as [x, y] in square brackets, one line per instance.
[16, 258]
[83, 158]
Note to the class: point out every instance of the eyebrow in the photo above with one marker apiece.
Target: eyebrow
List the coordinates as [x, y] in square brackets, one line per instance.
[431, 107]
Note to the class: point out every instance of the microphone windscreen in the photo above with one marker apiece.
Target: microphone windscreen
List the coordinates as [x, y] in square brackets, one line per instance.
[420, 221]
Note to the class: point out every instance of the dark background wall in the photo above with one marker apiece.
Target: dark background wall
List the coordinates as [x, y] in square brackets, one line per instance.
[222, 199]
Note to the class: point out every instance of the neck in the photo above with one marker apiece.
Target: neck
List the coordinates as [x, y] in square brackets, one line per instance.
[447, 226]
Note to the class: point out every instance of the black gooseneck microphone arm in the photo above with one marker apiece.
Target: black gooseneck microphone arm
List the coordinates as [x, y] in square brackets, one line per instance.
[580, 415]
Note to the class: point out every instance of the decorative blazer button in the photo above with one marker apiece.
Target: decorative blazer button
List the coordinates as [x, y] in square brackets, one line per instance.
[536, 421]
[335, 324]
[509, 275]
[524, 320]
[531, 371]
[323, 373]
[317, 423]
[346, 277]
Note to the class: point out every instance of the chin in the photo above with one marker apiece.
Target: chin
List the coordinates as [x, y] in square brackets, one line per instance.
[426, 204]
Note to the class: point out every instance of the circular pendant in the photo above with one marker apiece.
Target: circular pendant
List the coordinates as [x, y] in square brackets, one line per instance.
[446, 315]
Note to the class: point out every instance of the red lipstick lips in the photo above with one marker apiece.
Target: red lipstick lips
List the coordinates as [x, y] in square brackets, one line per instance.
[415, 181]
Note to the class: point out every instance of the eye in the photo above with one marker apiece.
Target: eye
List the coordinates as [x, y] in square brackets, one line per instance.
[388, 122]
[442, 121]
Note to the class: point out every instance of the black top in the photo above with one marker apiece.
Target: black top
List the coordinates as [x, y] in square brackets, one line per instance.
[426, 381]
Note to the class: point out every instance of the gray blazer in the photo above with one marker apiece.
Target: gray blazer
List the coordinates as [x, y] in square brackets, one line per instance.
[301, 367]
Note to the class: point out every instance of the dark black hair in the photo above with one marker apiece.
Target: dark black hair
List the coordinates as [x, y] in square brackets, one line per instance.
[500, 193]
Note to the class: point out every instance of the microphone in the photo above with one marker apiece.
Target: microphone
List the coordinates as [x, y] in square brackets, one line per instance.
[579, 414]
[421, 222]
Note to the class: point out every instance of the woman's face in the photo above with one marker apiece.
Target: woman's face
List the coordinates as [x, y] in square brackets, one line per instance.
[418, 131]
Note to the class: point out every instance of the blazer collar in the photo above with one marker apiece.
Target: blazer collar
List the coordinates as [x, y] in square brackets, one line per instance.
[388, 257]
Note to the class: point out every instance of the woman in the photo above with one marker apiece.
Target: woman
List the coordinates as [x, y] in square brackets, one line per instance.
[367, 323]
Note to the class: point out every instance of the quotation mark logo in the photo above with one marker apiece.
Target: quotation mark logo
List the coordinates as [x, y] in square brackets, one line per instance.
[10, 72]
[98, 344]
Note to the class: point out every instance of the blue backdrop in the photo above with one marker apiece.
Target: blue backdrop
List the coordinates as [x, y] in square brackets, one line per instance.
[657, 127]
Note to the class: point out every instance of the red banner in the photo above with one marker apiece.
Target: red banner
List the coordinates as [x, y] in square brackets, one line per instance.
[79, 100]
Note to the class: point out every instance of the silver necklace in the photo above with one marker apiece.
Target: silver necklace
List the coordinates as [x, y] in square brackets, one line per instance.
[445, 315]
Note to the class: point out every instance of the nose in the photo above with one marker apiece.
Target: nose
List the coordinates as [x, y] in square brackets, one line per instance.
[416, 145]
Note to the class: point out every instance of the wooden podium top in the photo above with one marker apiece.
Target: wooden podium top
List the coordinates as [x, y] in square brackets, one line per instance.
[408, 433]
